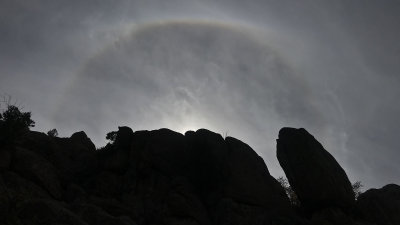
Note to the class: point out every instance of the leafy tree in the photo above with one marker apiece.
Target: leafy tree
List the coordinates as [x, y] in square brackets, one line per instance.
[16, 119]
[294, 200]
[52, 133]
[14, 124]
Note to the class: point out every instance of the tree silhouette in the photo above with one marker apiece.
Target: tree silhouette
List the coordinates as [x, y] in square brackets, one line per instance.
[111, 136]
[14, 124]
[52, 133]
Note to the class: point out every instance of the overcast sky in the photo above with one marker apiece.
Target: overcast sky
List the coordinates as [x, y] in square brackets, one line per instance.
[240, 68]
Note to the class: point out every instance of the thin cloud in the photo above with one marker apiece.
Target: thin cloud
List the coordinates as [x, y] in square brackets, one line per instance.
[331, 67]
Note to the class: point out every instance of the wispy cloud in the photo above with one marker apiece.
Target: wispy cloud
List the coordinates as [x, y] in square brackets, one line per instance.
[246, 68]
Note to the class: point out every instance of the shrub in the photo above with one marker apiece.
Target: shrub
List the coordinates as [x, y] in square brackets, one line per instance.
[357, 188]
[52, 133]
[111, 136]
[294, 200]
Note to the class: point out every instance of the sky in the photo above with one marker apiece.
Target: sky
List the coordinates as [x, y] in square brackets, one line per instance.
[239, 68]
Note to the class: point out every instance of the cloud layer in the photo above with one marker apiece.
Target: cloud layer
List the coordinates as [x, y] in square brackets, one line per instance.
[242, 68]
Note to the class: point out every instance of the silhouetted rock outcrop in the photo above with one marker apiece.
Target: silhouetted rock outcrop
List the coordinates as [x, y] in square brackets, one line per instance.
[115, 157]
[380, 206]
[41, 211]
[5, 160]
[313, 173]
[248, 179]
[164, 177]
[81, 138]
[37, 169]
[144, 177]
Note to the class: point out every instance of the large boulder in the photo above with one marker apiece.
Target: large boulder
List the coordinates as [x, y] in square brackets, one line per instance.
[40, 143]
[37, 169]
[232, 212]
[19, 189]
[182, 206]
[332, 216]
[115, 155]
[193, 175]
[206, 159]
[75, 158]
[249, 180]
[105, 184]
[4, 200]
[40, 211]
[230, 175]
[314, 174]
[380, 206]
[111, 205]
[163, 149]
[124, 137]
[95, 215]
[5, 159]
[160, 165]
[80, 138]
[14, 191]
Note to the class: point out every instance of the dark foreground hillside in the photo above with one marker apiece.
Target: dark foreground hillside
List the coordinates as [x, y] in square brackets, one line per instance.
[163, 177]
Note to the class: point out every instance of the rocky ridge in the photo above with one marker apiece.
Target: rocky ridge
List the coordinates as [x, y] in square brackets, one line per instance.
[164, 177]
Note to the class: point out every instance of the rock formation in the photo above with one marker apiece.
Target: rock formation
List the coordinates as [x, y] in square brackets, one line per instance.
[164, 177]
[144, 177]
[380, 206]
[313, 173]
